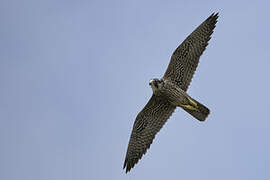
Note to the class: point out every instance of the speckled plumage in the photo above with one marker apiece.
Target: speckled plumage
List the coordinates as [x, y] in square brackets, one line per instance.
[170, 92]
[185, 58]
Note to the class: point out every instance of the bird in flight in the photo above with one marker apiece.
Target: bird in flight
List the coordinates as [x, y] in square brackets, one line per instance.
[169, 92]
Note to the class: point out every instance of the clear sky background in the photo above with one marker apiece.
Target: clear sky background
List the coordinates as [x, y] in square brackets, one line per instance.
[74, 75]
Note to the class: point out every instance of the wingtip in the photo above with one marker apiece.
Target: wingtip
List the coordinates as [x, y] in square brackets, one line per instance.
[127, 166]
[127, 169]
[215, 15]
[125, 163]
[213, 18]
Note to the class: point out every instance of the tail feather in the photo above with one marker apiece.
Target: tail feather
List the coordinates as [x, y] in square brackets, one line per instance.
[200, 111]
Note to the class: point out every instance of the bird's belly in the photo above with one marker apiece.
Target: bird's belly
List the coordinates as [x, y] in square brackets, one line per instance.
[175, 97]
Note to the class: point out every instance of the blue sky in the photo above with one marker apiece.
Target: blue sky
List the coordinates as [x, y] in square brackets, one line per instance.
[74, 75]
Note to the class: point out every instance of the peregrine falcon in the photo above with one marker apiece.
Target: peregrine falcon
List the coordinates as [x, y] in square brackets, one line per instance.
[169, 92]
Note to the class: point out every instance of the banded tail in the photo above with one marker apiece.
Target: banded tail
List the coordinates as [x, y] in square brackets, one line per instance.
[196, 109]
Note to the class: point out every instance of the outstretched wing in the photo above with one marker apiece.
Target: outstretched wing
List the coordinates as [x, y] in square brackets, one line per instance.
[185, 58]
[148, 122]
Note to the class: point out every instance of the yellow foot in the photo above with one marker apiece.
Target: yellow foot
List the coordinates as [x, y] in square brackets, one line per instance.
[193, 102]
[189, 107]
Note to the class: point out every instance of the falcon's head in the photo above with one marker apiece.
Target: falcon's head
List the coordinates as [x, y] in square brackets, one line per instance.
[155, 84]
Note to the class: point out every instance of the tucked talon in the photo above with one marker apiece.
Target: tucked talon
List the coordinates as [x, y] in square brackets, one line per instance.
[189, 107]
[193, 102]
